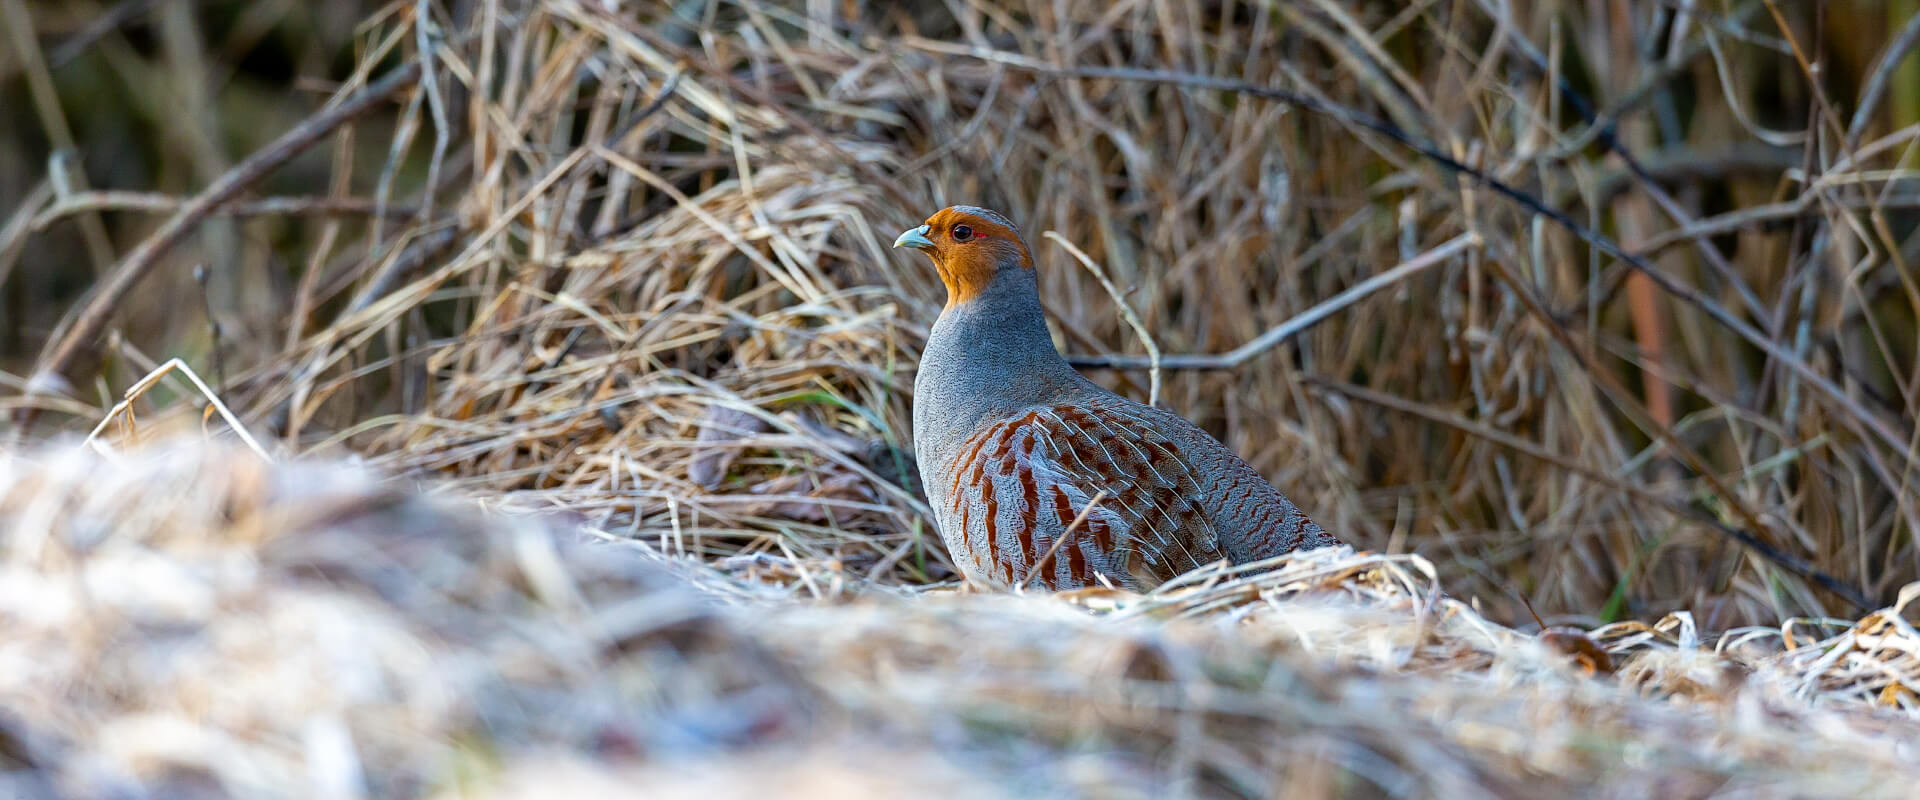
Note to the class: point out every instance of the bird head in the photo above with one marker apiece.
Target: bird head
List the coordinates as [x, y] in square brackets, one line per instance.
[970, 246]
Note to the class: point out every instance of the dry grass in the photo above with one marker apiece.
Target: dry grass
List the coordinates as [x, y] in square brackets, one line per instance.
[628, 269]
[192, 621]
[644, 224]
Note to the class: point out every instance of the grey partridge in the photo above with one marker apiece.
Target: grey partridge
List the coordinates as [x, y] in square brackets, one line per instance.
[1014, 445]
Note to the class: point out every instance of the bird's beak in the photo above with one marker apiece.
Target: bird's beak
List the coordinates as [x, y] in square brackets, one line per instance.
[915, 238]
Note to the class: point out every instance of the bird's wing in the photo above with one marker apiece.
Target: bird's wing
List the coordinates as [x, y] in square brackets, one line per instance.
[1020, 482]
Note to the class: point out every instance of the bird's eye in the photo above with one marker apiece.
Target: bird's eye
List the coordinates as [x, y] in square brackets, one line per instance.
[962, 233]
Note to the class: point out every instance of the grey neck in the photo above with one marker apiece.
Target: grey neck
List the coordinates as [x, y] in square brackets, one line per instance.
[987, 357]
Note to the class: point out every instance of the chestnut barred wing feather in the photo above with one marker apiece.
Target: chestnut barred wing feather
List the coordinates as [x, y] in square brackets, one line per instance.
[1017, 485]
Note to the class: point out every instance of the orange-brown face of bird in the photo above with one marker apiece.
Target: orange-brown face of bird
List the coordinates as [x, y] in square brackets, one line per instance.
[969, 245]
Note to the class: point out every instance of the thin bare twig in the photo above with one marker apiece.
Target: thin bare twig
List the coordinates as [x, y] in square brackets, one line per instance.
[13, 234]
[53, 120]
[1876, 90]
[427, 40]
[1293, 326]
[1801, 206]
[1065, 536]
[159, 203]
[141, 386]
[97, 28]
[1126, 313]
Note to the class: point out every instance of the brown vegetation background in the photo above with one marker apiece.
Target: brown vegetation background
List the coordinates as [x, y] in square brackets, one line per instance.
[628, 260]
